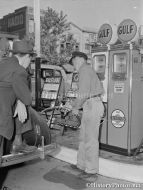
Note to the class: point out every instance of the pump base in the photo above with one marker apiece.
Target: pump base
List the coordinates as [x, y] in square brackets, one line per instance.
[117, 150]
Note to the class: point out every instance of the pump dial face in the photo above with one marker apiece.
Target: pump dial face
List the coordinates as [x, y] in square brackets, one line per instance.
[118, 118]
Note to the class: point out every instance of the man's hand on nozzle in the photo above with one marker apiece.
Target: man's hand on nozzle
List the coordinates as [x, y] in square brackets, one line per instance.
[20, 111]
[75, 111]
[68, 106]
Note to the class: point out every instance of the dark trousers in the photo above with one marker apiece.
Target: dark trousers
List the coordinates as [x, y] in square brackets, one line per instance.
[3, 170]
[1, 147]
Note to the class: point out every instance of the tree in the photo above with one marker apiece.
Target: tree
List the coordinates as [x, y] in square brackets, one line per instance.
[68, 42]
[53, 28]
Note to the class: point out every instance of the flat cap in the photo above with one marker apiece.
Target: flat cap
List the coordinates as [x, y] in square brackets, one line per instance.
[79, 54]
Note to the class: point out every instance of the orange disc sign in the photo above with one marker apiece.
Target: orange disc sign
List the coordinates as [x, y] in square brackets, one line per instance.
[127, 30]
[105, 34]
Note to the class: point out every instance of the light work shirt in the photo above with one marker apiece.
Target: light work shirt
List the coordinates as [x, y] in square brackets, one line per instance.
[89, 85]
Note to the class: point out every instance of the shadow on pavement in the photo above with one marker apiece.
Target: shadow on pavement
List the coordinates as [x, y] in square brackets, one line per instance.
[62, 176]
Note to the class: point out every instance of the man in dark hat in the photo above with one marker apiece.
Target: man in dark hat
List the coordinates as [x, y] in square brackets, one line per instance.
[15, 95]
[79, 54]
[4, 47]
[89, 98]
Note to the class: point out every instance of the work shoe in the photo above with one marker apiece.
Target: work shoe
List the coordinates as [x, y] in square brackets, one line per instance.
[88, 175]
[75, 167]
[23, 148]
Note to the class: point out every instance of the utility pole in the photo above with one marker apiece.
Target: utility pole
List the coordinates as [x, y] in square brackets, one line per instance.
[37, 48]
[37, 26]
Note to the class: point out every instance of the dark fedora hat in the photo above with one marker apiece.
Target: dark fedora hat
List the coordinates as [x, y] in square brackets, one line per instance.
[79, 54]
[23, 47]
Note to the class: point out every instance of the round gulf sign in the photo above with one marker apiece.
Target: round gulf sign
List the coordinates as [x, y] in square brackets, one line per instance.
[105, 34]
[127, 30]
[118, 118]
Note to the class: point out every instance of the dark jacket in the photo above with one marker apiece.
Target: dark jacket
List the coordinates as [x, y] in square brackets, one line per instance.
[13, 86]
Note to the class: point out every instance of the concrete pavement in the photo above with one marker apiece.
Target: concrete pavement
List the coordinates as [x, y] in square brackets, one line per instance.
[53, 174]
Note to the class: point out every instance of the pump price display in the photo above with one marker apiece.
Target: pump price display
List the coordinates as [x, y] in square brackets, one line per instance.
[50, 88]
[105, 34]
[127, 30]
[119, 88]
[49, 95]
[54, 80]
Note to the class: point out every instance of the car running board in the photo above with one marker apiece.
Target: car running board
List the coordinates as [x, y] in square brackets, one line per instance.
[41, 152]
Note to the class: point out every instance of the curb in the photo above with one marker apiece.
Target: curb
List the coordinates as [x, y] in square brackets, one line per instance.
[108, 168]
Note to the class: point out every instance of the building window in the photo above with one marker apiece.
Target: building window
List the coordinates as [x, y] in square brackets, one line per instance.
[87, 46]
[92, 37]
[31, 26]
[68, 45]
[62, 47]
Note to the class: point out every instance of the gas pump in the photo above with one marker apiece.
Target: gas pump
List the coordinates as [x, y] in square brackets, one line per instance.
[125, 99]
[122, 129]
[101, 66]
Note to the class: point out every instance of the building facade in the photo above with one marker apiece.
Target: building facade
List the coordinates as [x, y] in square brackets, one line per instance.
[21, 23]
[85, 37]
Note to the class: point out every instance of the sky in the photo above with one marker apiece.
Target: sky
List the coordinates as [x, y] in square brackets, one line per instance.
[85, 13]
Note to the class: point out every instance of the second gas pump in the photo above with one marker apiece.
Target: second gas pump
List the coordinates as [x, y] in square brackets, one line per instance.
[121, 70]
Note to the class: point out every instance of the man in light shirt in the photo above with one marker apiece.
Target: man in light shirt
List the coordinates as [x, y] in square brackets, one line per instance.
[88, 98]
